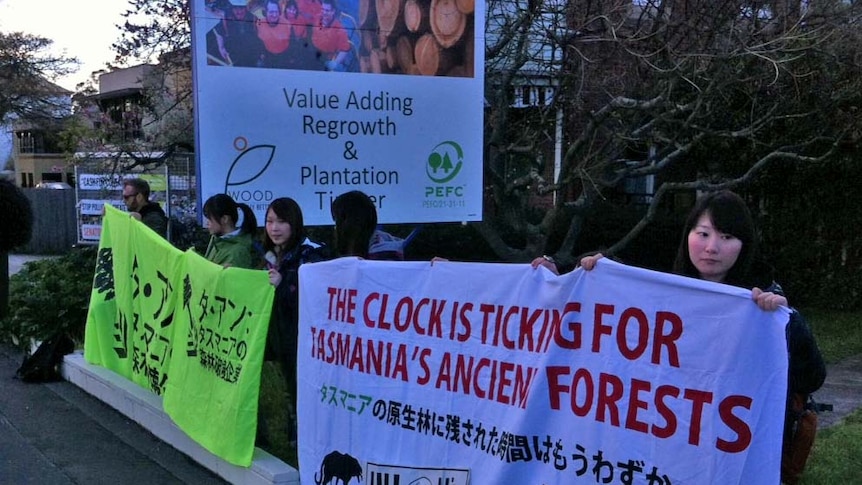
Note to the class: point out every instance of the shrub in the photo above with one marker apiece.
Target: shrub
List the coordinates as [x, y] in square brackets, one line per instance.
[49, 296]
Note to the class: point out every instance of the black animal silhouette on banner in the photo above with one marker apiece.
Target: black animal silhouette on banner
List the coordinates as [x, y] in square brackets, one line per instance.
[338, 469]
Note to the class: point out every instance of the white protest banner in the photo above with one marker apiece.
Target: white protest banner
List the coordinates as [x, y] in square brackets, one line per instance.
[96, 207]
[100, 181]
[91, 232]
[498, 373]
[337, 97]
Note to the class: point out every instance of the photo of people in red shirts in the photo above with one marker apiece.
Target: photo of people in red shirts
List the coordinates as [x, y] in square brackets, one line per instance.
[413, 38]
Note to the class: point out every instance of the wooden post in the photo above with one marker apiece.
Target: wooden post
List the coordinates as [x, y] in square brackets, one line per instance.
[447, 22]
[366, 13]
[416, 16]
[466, 6]
[389, 18]
[404, 53]
[431, 58]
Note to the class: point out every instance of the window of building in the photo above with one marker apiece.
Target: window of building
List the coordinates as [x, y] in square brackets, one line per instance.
[30, 142]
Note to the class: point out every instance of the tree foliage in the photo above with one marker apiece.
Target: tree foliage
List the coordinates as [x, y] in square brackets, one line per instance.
[679, 95]
[689, 95]
[26, 67]
[155, 32]
[153, 28]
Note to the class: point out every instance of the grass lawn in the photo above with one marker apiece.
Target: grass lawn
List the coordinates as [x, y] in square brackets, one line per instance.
[837, 454]
[839, 334]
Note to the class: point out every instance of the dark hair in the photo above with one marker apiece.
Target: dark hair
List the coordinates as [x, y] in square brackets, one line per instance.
[287, 210]
[140, 185]
[221, 205]
[730, 215]
[355, 221]
[17, 218]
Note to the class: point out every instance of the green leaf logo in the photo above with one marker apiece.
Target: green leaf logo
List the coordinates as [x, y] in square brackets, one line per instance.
[440, 167]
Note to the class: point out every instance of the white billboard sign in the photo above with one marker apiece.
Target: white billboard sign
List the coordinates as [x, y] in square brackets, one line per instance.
[312, 99]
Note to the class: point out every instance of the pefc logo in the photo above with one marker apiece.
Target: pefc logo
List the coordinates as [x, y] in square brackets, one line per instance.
[444, 162]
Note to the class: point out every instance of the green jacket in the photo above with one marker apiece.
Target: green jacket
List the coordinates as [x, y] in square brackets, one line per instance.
[235, 251]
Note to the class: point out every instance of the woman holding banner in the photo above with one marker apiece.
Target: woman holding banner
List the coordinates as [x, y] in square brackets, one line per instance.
[285, 248]
[719, 244]
[230, 246]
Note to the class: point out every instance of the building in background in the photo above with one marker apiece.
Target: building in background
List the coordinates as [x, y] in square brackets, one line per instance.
[134, 116]
[35, 144]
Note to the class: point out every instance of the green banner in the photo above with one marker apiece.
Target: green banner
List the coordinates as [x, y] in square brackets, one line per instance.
[215, 371]
[183, 327]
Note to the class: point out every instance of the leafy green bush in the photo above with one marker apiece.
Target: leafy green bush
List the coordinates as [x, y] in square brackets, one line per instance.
[49, 296]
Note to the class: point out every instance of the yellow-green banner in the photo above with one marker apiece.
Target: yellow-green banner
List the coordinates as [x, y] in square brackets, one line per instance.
[184, 328]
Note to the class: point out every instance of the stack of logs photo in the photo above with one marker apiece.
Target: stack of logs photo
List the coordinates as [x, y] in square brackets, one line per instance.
[417, 37]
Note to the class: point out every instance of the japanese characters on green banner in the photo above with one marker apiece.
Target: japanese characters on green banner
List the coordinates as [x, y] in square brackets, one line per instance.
[185, 328]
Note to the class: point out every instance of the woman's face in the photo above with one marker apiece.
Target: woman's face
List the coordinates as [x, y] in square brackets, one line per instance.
[290, 12]
[215, 227]
[278, 230]
[713, 253]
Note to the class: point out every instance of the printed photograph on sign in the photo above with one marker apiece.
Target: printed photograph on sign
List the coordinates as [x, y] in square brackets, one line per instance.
[281, 113]
[369, 36]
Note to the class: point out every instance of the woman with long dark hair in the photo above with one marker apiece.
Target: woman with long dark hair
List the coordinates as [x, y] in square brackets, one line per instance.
[719, 244]
[286, 247]
[355, 220]
[230, 245]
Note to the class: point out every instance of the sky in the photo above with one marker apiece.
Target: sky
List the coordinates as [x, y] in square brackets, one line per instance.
[79, 28]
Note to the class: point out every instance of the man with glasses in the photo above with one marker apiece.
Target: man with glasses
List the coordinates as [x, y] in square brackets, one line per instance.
[136, 195]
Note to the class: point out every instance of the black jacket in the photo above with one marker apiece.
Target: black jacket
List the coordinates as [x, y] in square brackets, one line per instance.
[284, 322]
[806, 369]
[153, 216]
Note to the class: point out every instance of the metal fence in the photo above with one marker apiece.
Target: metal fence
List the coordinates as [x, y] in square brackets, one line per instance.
[172, 184]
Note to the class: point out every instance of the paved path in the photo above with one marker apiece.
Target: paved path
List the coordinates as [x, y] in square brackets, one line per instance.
[56, 433]
[842, 389]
